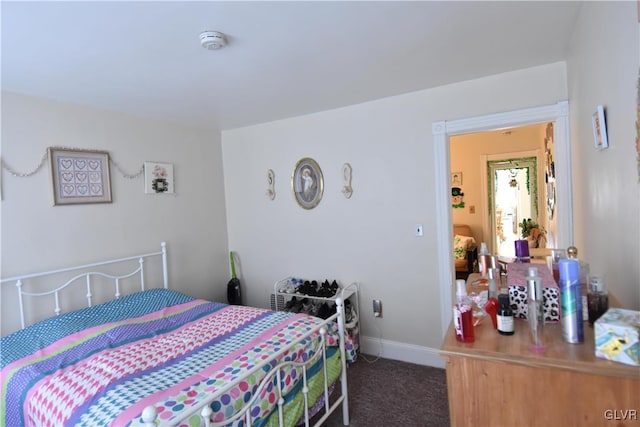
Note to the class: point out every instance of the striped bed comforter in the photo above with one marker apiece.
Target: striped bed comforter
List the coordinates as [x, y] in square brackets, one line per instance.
[104, 364]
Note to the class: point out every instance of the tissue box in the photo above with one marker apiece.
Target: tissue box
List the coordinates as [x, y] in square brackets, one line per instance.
[517, 284]
[616, 336]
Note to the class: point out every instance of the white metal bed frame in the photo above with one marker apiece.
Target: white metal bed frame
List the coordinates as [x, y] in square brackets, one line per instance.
[149, 415]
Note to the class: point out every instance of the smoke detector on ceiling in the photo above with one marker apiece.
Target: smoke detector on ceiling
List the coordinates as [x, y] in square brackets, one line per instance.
[212, 40]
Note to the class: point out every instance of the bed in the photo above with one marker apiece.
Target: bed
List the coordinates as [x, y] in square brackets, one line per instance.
[157, 356]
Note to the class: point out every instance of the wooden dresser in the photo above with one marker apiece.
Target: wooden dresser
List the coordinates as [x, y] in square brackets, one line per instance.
[498, 381]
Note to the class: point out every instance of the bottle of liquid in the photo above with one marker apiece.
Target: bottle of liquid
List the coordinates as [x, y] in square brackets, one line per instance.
[571, 301]
[572, 253]
[484, 259]
[522, 250]
[597, 298]
[493, 282]
[535, 310]
[556, 256]
[505, 316]
[463, 314]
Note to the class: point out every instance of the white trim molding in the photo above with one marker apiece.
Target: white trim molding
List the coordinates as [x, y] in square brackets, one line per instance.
[409, 353]
[558, 114]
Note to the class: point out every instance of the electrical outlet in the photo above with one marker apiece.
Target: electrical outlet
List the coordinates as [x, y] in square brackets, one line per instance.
[377, 308]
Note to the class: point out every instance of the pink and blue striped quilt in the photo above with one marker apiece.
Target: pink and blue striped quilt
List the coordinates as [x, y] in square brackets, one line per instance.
[104, 364]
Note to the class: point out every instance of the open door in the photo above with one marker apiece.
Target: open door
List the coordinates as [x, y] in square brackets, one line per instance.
[513, 197]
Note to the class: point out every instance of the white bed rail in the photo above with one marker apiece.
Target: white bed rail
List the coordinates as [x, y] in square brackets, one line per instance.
[149, 415]
[87, 275]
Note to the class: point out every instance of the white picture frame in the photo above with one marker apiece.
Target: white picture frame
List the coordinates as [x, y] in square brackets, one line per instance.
[599, 123]
[158, 178]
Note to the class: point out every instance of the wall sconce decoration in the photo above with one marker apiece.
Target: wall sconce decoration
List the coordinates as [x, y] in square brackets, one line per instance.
[271, 181]
[346, 175]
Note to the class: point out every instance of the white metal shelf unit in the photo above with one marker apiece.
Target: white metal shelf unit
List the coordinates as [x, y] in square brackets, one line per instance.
[283, 288]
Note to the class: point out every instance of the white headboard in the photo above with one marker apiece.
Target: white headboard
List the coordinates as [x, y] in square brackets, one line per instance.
[90, 271]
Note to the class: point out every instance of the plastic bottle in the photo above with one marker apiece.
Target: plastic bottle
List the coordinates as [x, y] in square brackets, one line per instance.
[484, 259]
[535, 311]
[505, 316]
[571, 301]
[463, 314]
[493, 282]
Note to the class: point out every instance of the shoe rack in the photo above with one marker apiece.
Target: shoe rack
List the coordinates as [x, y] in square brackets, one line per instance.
[286, 289]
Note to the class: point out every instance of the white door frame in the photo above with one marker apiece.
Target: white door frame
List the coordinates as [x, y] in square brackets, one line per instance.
[558, 114]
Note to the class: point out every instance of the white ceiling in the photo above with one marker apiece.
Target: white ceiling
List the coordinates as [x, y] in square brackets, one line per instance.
[283, 59]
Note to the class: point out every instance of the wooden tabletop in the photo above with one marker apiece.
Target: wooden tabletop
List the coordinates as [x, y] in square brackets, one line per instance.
[490, 345]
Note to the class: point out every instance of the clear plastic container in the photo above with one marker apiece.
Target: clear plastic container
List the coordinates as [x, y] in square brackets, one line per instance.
[535, 311]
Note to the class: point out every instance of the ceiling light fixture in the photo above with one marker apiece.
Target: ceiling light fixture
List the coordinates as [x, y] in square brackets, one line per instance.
[212, 40]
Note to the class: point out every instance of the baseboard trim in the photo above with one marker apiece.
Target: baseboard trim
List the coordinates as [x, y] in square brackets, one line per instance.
[401, 351]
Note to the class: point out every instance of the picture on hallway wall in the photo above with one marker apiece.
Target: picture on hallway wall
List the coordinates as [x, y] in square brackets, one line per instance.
[600, 129]
[456, 178]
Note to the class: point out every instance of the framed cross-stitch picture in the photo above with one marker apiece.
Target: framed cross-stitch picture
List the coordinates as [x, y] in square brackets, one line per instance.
[79, 176]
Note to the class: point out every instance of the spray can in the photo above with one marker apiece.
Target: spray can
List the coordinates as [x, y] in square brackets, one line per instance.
[571, 301]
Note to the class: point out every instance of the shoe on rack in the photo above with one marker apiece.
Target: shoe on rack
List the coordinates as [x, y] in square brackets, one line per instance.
[325, 290]
[350, 315]
[290, 304]
[334, 287]
[297, 307]
[314, 288]
[305, 288]
[325, 311]
[307, 306]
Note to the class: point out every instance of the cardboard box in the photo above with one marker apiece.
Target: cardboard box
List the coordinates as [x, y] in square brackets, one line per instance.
[517, 285]
[617, 335]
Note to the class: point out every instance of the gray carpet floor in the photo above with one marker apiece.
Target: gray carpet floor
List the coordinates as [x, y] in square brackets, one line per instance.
[392, 393]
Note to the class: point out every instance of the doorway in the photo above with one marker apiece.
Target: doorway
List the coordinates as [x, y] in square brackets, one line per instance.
[513, 198]
[558, 114]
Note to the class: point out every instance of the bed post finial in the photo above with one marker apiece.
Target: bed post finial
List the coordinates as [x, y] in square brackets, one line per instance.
[165, 275]
[149, 415]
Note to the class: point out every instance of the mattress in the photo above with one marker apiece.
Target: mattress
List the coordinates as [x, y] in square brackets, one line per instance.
[104, 364]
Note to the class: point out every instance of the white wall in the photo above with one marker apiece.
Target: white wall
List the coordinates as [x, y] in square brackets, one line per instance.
[370, 237]
[603, 69]
[36, 236]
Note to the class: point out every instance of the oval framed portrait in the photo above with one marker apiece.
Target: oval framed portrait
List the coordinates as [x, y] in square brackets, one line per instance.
[307, 183]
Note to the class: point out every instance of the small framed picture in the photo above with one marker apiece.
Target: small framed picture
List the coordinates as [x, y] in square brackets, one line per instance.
[307, 183]
[599, 129]
[456, 178]
[158, 178]
[79, 176]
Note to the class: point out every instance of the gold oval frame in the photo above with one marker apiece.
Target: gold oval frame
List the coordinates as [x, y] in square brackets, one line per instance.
[307, 183]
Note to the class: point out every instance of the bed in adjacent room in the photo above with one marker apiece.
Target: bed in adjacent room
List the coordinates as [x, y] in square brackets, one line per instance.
[160, 357]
